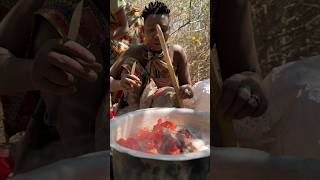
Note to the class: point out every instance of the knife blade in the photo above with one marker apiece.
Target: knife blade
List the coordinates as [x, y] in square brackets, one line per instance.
[72, 35]
[75, 22]
[133, 70]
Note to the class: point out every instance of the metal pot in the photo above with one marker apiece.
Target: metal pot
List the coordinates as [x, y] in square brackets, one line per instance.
[135, 165]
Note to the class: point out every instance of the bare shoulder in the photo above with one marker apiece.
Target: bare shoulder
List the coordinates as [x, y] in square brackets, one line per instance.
[179, 53]
[177, 48]
[135, 51]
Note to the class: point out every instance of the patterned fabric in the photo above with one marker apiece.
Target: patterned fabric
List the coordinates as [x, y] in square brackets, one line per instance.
[156, 89]
[133, 36]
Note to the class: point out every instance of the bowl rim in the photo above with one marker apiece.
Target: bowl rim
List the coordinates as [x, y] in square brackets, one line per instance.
[181, 157]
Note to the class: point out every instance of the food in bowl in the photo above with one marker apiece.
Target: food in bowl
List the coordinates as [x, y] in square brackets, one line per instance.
[164, 138]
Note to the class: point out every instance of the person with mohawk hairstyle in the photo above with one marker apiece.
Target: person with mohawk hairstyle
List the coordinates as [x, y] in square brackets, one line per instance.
[152, 87]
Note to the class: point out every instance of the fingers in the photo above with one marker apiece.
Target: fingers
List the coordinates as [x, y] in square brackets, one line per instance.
[59, 77]
[72, 66]
[76, 50]
[57, 65]
[242, 96]
[94, 66]
[258, 100]
[263, 105]
[83, 56]
[246, 110]
[240, 102]
[186, 92]
[130, 82]
[229, 93]
[135, 78]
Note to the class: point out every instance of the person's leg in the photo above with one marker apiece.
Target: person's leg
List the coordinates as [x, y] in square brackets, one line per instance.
[241, 92]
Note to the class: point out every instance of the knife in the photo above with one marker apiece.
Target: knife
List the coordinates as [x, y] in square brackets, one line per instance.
[75, 22]
[72, 35]
[133, 70]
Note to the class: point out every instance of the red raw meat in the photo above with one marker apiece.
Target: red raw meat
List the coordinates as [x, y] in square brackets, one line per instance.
[161, 140]
[129, 143]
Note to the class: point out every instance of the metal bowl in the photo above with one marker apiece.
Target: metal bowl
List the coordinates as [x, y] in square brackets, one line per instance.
[131, 164]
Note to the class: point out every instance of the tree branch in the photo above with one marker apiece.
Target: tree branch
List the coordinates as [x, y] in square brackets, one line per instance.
[189, 19]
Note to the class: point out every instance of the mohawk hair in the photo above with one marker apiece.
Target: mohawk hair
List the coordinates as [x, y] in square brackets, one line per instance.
[155, 7]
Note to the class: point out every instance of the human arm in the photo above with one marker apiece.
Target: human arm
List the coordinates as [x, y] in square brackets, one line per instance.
[15, 31]
[16, 27]
[127, 81]
[15, 73]
[18, 74]
[242, 93]
[51, 77]
[183, 72]
[235, 38]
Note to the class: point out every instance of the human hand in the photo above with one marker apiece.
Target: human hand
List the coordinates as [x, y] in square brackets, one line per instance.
[58, 65]
[129, 82]
[186, 91]
[242, 96]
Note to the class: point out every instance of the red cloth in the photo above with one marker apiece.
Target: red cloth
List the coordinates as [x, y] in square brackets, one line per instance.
[6, 164]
